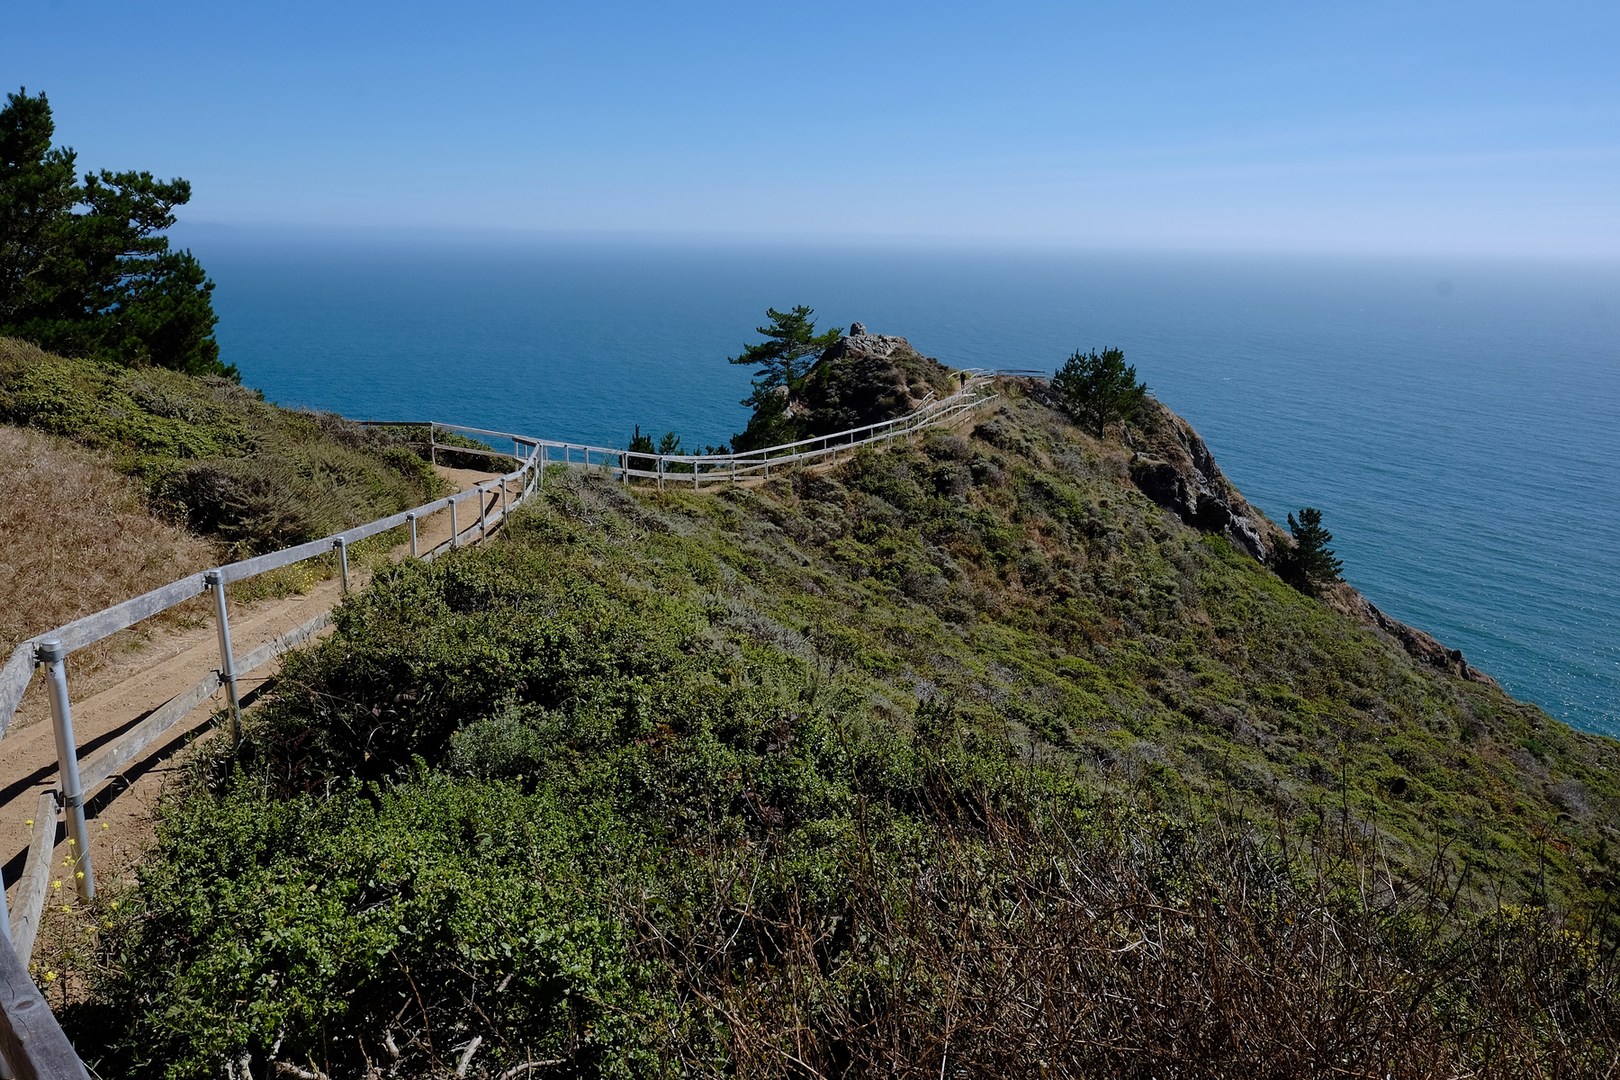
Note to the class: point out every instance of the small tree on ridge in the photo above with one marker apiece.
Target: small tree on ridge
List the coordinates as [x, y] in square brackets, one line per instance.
[783, 359]
[1310, 563]
[1098, 389]
[780, 358]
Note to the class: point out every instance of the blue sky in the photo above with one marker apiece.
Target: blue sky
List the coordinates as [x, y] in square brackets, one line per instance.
[1433, 128]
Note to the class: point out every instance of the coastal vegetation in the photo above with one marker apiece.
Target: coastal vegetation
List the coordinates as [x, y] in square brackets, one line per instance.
[85, 266]
[961, 757]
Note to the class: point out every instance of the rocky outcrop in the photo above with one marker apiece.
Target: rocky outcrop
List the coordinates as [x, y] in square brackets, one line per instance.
[1171, 465]
[1420, 646]
[864, 379]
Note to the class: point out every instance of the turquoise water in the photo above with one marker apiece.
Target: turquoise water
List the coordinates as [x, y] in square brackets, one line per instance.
[1457, 422]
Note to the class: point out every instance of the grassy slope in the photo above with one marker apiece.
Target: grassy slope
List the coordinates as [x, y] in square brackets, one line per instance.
[76, 537]
[963, 753]
[213, 455]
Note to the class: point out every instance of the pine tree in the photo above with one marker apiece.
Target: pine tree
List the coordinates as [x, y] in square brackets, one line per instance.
[1310, 563]
[85, 268]
[1098, 389]
[38, 189]
[783, 360]
[642, 443]
[780, 358]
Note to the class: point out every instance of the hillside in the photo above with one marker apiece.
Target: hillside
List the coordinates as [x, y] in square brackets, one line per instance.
[960, 758]
[117, 480]
[214, 456]
[77, 536]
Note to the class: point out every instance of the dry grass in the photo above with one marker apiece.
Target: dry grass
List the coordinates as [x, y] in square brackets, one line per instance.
[76, 537]
[1132, 954]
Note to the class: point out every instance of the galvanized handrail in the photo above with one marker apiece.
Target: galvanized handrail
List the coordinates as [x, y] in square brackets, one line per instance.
[51, 649]
[15, 676]
[701, 469]
[928, 412]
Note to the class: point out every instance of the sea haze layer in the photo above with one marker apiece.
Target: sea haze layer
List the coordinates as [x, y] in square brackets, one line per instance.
[1458, 423]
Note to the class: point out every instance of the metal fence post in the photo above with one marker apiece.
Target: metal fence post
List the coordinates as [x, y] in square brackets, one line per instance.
[483, 513]
[5, 931]
[51, 653]
[342, 546]
[433, 443]
[660, 474]
[227, 659]
[411, 517]
[455, 531]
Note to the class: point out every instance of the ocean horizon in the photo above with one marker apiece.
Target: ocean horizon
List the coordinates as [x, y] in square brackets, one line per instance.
[1456, 420]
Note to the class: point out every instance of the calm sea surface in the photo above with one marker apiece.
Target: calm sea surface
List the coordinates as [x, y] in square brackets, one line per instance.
[1457, 422]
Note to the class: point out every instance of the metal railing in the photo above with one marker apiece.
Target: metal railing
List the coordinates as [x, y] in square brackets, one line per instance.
[698, 470]
[50, 651]
[495, 499]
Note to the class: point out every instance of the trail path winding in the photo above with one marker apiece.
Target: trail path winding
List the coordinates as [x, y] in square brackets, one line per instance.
[120, 694]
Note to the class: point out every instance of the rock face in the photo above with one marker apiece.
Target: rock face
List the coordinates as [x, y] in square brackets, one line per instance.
[1419, 645]
[864, 379]
[1172, 466]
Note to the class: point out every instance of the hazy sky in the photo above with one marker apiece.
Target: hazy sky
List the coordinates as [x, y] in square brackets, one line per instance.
[1409, 126]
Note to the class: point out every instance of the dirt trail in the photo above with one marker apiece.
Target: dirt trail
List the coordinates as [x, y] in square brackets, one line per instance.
[117, 696]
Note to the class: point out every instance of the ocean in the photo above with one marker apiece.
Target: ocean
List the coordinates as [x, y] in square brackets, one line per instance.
[1457, 421]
